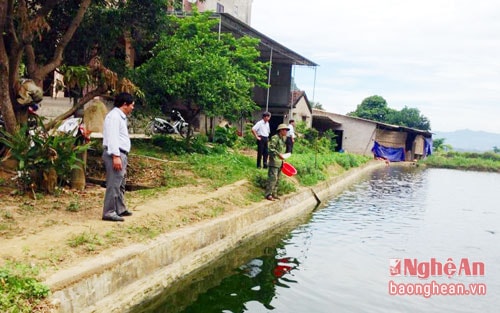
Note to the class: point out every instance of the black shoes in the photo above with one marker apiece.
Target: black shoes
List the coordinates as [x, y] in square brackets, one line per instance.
[117, 217]
[113, 218]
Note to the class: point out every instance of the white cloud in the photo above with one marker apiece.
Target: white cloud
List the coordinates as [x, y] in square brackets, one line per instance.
[439, 56]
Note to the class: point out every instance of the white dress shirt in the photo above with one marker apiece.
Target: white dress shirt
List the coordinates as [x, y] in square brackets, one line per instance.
[262, 128]
[115, 132]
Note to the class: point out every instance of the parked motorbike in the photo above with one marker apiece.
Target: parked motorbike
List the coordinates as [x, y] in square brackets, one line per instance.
[177, 125]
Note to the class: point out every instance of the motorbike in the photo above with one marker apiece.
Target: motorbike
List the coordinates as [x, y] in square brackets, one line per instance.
[176, 125]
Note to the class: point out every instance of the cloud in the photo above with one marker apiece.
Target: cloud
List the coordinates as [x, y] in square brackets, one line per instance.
[439, 56]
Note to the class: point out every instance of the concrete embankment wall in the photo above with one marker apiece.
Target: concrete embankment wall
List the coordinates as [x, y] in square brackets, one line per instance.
[119, 280]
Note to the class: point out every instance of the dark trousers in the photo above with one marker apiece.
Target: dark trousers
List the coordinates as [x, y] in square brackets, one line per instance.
[262, 151]
[289, 144]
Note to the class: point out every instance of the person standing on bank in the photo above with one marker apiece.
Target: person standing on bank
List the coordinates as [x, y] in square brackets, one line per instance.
[277, 147]
[290, 136]
[116, 144]
[261, 132]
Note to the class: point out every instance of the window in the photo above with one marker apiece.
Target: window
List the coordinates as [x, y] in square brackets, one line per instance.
[220, 8]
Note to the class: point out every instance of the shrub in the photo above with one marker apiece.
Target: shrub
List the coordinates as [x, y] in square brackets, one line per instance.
[225, 136]
[41, 154]
[19, 292]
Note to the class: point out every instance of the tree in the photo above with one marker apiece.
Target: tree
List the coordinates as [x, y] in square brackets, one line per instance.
[372, 108]
[22, 23]
[375, 108]
[316, 105]
[203, 70]
[36, 34]
[410, 117]
[439, 145]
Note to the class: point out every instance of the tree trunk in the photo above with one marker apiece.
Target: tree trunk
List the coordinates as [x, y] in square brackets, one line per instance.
[6, 107]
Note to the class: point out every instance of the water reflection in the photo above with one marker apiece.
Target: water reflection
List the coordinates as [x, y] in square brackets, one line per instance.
[250, 273]
[338, 259]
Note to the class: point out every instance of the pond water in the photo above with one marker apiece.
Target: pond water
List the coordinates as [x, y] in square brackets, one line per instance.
[404, 240]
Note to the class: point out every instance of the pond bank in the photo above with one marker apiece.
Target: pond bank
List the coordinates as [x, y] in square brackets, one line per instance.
[119, 280]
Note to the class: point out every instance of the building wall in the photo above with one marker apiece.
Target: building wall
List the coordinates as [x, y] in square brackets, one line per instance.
[357, 135]
[302, 113]
[241, 9]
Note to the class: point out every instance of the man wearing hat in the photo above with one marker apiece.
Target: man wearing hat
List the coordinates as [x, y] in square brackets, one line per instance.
[277, 148]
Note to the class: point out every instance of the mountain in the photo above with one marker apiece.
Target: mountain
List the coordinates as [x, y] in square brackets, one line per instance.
[469, 140]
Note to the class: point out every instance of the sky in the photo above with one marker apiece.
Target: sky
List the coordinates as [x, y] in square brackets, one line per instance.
[439, 56]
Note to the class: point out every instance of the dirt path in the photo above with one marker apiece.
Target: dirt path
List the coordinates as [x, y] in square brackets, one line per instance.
[45, 233]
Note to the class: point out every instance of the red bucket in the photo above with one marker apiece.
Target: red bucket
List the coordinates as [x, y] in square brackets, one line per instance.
[288, 169]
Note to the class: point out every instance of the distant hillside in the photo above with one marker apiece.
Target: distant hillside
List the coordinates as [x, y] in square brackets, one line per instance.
[469, 140]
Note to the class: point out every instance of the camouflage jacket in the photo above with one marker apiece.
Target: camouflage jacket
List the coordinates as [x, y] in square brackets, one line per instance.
[277, 146]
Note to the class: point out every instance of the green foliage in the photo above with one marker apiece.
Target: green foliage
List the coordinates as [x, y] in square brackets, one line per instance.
[75, 76]
[316, 105]
[39, 152]
[170, 144]
[196, 65]
[488, 161]
[104, 26]
[375, 108]
[313, 167]
[409, 117]
[247, 140]
[19, 291]
[222, 167]
[438, 144]
[284, 185]
[311, 140]
[372, 108]
[226, 136]
[88, 240]
[74, 206]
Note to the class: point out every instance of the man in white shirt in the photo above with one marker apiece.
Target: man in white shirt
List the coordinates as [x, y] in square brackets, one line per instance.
[261, 132]
[116, 142]
[290, 136]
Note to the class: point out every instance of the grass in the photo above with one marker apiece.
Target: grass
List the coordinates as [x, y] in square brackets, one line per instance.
[486, 162]
[19, 290]
[89, 240]
[210, 166]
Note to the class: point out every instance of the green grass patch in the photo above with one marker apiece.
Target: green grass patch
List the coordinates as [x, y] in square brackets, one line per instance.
[89, 241]
[312, 167]
[222, 168]
[486, 162]
[20, 291]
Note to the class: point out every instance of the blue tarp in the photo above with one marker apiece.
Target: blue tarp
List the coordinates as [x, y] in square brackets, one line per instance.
[427, 146]
[387, 153]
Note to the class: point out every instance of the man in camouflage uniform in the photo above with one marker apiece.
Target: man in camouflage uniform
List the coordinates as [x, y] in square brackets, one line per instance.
[277, 148]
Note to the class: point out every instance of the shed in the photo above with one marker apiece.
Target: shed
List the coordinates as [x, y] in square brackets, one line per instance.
[358, 135]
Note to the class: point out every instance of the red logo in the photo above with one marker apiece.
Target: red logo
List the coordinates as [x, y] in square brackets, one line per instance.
[395, 267]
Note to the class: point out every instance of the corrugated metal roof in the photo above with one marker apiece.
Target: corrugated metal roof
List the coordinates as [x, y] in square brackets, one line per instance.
[321, 113]
[280, 53]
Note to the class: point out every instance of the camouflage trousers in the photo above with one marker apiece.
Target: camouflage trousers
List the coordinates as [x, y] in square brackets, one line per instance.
[273, 177]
